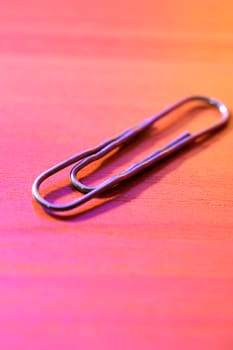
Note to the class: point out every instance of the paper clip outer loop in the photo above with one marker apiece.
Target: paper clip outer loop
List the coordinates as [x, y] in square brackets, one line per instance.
[90, 155]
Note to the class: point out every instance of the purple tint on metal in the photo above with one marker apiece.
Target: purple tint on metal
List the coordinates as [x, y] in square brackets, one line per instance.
[90, 155]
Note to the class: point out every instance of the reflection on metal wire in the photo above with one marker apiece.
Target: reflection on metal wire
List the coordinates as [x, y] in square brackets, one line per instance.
[84, 158]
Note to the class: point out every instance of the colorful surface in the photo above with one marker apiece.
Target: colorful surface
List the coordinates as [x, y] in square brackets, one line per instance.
[152, 266]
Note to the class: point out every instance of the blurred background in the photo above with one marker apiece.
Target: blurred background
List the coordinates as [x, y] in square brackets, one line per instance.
[151, 269]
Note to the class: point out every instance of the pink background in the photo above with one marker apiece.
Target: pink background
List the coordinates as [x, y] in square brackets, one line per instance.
[152, 266]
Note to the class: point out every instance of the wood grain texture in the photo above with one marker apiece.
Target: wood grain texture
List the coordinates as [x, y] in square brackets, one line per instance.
[150, 267]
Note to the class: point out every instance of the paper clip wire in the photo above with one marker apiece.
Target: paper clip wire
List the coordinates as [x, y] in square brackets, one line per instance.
[92, 154]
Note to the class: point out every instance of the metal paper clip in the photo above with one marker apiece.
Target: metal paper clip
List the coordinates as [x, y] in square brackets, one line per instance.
[90, 155]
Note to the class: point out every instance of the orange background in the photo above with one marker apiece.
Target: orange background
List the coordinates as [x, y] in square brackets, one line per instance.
[151, 267]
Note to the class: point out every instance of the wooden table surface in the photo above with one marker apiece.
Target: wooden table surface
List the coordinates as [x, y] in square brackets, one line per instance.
[151, 266]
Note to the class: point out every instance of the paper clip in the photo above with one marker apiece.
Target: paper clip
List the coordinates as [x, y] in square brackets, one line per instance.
[92, 154]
